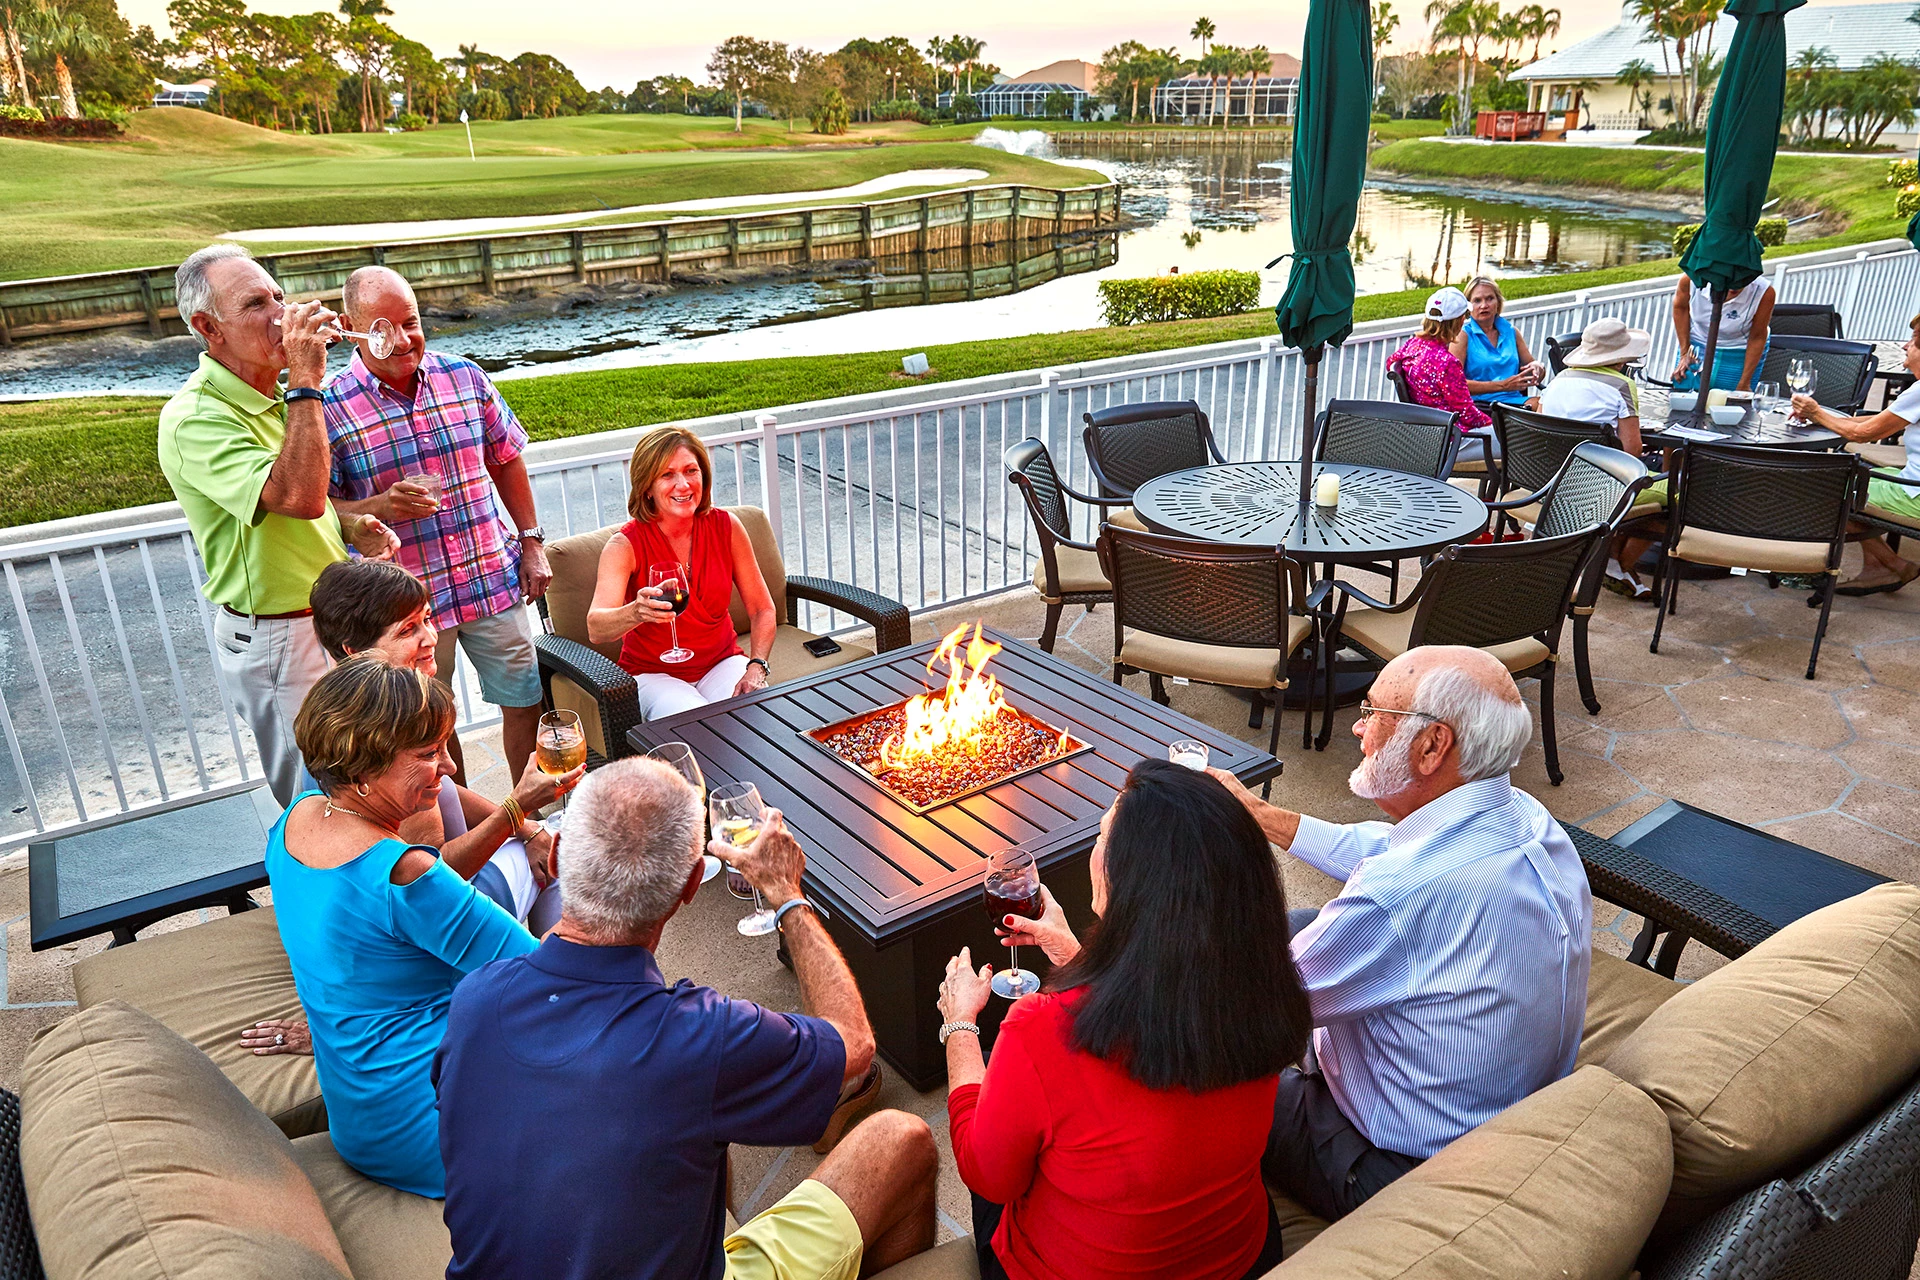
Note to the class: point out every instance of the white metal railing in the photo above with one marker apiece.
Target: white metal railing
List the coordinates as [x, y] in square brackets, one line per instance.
[110, 698]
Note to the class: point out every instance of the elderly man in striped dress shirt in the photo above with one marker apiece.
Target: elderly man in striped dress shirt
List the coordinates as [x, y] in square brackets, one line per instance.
[1449, 977]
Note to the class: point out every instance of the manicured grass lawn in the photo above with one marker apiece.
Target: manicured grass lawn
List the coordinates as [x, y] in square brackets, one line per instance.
[182, 176]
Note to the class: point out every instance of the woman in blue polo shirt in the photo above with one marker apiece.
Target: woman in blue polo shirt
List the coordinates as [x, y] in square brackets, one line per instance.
[1500, 367]
[1895, 503]
[378, 931]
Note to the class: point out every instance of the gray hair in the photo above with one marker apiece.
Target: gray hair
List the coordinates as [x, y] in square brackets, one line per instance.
[628, 845]
[357, 284]
[1489, 730]
[192, 292]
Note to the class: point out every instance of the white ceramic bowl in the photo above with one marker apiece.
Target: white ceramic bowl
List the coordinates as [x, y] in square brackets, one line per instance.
[1682, 401]
[1728, 415]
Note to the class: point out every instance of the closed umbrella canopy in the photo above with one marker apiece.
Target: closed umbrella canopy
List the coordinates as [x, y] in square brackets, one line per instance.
[1743, 129]
[1329, 167]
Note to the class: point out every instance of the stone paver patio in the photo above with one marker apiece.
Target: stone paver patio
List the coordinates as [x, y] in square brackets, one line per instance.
[1721, 718]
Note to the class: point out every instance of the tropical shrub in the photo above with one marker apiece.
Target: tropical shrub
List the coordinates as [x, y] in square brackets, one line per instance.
[1903, 173]
[8, 111]
[411, 122]
[1907, 203]
[1769, 231]
[832, 117]
[1182, 297]
[1683, 236]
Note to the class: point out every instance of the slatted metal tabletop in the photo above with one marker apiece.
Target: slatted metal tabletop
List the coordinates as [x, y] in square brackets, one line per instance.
[904, 890]
[1770, 430]
[1382, 514]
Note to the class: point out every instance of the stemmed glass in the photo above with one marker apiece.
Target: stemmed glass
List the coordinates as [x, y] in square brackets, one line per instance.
[1802, 377]
[560, 747]
[1766, 397]
[1013, 889]
[738, 815]
[679, 757]
[671, 578]
[378, 337]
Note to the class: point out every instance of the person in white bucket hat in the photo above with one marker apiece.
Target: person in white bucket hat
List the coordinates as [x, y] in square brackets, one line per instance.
[1434, 375]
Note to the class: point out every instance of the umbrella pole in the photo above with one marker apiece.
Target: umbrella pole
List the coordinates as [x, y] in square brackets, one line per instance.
[1312, 356]
[1707, 363]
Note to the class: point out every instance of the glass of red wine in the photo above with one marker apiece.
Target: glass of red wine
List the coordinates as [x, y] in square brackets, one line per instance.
[672, 579]
[1013, 889]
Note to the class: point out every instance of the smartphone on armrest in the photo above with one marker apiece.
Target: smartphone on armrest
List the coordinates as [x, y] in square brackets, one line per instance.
[821, 646]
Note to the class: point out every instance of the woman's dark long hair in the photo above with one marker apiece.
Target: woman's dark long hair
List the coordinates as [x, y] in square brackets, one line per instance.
[1189, 980]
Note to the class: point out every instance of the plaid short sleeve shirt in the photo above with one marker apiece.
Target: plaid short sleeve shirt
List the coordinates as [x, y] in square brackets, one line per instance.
[456, 426]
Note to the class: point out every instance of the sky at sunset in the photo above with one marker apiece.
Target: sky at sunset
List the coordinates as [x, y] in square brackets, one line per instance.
[618, 42]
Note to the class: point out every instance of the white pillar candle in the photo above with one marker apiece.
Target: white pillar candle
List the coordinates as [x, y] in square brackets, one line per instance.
[1326, 490]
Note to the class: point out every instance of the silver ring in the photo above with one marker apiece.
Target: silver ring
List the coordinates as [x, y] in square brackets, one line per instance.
[278, 1038]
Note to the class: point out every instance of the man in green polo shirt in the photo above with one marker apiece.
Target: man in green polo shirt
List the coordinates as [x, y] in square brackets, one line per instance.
[250, 468]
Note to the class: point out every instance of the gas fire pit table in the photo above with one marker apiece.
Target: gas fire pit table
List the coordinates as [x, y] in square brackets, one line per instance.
[903, 888]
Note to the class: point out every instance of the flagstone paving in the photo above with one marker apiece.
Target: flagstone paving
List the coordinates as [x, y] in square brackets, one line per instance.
[1722, 718]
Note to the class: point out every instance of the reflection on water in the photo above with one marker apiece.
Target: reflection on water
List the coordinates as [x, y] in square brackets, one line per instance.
[1188, 207]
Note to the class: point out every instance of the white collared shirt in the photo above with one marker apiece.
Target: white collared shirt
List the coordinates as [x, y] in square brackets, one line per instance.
[1449, 977]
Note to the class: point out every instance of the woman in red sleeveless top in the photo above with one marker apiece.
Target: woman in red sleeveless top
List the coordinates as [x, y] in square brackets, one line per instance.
[674, 521]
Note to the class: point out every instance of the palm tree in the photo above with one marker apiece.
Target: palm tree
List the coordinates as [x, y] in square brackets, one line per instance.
[1218, 62]
[13, 60]
[968, 49]
[471, 60]
[1633, 75]
[50, 30]
[1452, 22]
[1203, 32]
[1257, 62]
[936, 53]
[369, 11]
[1384, 22]
[1540, 23]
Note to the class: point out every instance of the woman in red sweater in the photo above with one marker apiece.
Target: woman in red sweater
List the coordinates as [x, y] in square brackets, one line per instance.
[1119, 1128]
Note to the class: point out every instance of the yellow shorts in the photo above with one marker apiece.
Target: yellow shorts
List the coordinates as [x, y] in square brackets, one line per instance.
[809, 1234]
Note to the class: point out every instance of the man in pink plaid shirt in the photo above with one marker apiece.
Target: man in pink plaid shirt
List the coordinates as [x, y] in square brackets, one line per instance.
[424, 442]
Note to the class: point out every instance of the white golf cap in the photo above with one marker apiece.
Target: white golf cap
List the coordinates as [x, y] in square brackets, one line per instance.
[1446, 304]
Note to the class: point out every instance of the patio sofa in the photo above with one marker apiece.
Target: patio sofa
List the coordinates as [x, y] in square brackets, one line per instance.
[1766, 1109]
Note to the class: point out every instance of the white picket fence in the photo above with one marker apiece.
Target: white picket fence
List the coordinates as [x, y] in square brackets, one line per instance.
[111, 703]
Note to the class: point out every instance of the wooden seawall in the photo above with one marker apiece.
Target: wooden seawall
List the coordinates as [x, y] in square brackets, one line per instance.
[444, 269]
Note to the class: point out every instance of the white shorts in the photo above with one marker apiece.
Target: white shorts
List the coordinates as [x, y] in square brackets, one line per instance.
[661, 695]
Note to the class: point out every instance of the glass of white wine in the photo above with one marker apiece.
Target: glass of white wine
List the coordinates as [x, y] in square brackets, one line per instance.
[738, 814]
[380, 336]
[1802, 378]
[679, 757]
[559, 747]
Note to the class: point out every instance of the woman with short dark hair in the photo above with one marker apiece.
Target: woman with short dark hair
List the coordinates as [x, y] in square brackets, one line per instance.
[1119, 1129]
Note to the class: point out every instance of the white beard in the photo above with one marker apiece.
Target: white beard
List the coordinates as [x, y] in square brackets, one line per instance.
[1388, 771]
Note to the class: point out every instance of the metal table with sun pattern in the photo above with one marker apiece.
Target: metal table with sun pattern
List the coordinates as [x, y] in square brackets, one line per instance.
[1383, 515]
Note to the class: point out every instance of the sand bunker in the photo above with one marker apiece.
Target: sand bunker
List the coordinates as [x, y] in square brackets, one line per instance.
[441, 228]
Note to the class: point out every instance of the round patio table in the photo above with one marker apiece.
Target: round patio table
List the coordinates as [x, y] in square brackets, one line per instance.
[1383, 515]
[1767, 430]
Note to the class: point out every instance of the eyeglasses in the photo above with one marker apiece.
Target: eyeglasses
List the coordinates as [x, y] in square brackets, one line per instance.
[1368, 710]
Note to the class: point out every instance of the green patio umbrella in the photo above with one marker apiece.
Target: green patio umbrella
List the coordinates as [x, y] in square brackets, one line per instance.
[1329, 166]
[1743, 128]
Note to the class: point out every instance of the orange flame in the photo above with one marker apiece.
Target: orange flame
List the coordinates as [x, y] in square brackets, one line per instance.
[959, 718]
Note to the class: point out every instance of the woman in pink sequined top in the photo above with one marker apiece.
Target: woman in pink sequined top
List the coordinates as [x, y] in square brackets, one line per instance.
[1432, 370]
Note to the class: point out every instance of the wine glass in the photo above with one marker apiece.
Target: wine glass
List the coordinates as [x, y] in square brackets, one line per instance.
[679, 757]
[1013, 889]
[559, 747]
[1766, 397]
[738, 815]
[672, 578]
[379, 336]
[1192, 754]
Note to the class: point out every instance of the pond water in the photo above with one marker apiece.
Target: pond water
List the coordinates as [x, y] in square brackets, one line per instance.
[1191, 207]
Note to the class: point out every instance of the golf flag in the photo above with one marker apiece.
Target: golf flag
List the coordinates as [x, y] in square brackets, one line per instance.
[463, 120]
[463, 117]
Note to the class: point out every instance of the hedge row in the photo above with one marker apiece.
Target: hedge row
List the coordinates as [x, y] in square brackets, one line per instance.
[58, 128]
[1180, 297]
[1770, 231]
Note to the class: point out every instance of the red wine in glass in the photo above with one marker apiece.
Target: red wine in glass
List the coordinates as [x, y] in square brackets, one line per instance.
[1013, 889]
[671, 579]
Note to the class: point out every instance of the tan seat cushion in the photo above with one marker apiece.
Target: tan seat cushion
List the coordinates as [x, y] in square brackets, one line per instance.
[1764, 1063]
[207, 983]
[1127, 518]
[1214, 663]
[387, 1234]
[1733, 551]
[1887, 457]
[953, 1260]
[791, 661]
[1298, 1224]
[568, 696]
[1470, 467]
[1079, 571]
[1464, 484]
[1891, 517]
[142, 1160]
[1620, 996]
[1385, 636]
[1564, 1184]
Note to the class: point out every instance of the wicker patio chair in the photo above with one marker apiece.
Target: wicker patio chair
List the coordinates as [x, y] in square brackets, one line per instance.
[19, 1249]
[1748, 507]
[1509, 598]
[1894, 525]
[1069, 572]
[581, 676]
[1594, 485]
[1201, 611]
[1853, 1212]
[1533, 449]
[1845, 369]
[1805, 320]
[1557, 347]
[1402, 389]
[1130, 444]
[1413, 438]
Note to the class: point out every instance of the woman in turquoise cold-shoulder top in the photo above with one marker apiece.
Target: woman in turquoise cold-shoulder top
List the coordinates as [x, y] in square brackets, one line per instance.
[378, 932]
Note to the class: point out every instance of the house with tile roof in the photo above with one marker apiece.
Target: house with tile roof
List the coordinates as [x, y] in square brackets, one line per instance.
[1853, 33]
[1075, 79]
[1192, 99]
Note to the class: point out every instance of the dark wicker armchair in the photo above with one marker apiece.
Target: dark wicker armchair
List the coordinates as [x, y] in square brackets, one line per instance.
[1748, 507]
[1413, 438]
[581, 676]
[1845, 369]
[1557, 347]
[19, 1249]
[1201, 611]
[1595, 485]
[1130, 444]
[1068, 571]
[1533, 448]
[1509, 598]
[1805, 320]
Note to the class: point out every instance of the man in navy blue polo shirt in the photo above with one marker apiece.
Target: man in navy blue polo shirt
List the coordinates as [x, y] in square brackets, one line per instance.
[586, 1106]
